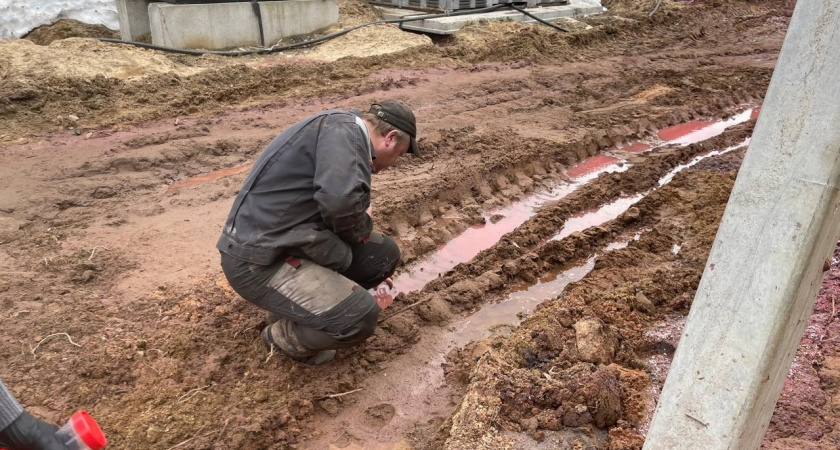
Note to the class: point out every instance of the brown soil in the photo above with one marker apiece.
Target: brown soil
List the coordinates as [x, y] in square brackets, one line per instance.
[117, 178]
[67, 28]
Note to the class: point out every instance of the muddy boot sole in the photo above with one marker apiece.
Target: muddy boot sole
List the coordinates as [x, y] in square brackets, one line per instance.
[320, 358]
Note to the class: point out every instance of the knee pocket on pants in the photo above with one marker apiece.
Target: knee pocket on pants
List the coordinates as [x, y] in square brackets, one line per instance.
[348, 314]
[367, 326]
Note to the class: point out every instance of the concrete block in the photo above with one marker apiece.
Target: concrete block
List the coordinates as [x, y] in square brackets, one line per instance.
[220, 26]
[449, 25]
[134, 18]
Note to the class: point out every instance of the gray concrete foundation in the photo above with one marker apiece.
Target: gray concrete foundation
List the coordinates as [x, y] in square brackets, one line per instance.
[134, 18]
[449, 25]
[220, 26]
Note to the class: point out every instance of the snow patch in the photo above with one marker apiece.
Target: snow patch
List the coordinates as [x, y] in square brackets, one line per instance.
[18, 17]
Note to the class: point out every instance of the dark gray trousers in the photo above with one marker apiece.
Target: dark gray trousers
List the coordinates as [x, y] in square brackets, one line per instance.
[318, 308]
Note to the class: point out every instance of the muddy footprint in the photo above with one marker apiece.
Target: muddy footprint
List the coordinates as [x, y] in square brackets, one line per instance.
[378, 416]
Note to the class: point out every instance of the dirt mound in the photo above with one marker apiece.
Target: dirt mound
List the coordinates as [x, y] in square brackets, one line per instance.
[356, 12]
[69, 28]
[24, 62]
[365, 42]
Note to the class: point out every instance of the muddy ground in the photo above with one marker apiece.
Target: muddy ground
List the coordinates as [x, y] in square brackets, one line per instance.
[117, 178]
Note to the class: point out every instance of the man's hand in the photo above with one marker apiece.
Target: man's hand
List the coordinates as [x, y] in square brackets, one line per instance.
[382, 295]
[29, 433]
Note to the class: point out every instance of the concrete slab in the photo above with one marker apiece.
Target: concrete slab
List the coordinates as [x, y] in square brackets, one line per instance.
[220, 26]
[134, 19]
[449, 25]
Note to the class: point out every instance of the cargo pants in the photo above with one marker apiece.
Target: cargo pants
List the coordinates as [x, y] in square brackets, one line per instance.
[317, 308]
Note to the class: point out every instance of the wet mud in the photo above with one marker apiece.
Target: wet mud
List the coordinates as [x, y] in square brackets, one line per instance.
[108, 221]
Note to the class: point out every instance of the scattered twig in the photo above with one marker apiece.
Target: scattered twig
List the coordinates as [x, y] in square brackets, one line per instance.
[223, 429]
[191, 393]
[270, 354]
[192, 438]
[32, 349]
[93, 252]
[160, 352]
[656, 8]
[150, 366]
[323, 397]
[242, 331]
[405, 308]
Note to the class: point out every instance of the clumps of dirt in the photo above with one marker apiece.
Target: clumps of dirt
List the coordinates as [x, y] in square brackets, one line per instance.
[356, 12]
[576, 362]
[69, 28]
[805, 414]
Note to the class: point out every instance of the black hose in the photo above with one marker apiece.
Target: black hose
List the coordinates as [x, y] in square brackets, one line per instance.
[542, 21]
[280, 48]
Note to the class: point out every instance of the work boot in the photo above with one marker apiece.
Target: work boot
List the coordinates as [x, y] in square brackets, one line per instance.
[285, 341]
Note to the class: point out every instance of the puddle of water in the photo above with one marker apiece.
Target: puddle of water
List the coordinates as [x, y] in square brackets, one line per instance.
[612, 210]
[696, 131]
[475, 239]
[580, 222]
[212, 176]
[471, 242]
[519, 304]
[590, 165]
[670, 175]
[690, 132]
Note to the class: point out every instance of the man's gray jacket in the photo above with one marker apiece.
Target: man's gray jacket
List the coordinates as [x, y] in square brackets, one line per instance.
[10, 409]
[306, 195]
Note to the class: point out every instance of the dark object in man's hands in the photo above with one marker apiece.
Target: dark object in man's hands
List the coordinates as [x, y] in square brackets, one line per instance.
[29, 433]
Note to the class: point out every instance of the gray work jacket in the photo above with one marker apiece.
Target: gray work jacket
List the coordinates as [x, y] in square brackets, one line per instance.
[10, 409]
[306, 195]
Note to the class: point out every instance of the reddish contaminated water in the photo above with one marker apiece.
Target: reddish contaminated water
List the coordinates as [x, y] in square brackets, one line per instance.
[475, 239]
[696, 131]
[212, 176]
[690, 133]
[500, 318]
[590, 165]
[636, 147]
[677, 131]
[580, 222]
[465, 246]
[612, 210]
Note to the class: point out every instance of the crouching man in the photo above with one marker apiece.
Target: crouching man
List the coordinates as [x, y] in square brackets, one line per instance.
[299, 242]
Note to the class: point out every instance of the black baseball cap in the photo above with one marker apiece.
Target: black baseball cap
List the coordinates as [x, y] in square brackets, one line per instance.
[399, 116]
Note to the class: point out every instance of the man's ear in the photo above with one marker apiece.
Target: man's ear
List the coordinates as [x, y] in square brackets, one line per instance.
[392, 135]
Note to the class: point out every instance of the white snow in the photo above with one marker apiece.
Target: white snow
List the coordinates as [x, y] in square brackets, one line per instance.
[18, 17]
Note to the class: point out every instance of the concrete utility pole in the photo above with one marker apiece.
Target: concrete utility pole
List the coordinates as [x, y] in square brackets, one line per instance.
[766, 265]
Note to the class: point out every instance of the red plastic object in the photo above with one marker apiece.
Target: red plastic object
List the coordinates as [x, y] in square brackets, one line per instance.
[81, 432]
[88, 430]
